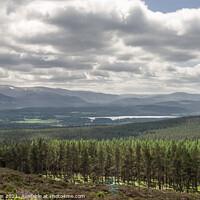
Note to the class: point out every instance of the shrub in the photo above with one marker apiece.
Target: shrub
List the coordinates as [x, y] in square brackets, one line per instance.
[100, 195]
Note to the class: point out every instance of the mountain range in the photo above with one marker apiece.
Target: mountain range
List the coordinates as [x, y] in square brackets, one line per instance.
[12, 97]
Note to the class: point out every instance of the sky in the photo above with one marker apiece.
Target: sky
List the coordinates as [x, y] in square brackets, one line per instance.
[110, 46]
[171, 5]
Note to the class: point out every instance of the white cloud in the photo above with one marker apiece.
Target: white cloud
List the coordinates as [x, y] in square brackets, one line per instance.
[113, 46]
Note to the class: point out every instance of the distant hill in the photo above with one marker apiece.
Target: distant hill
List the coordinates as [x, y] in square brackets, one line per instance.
[22, 97]
[91, 97]
[47, 99]
[7, 101]
[131, 102]
[179, 103]
[177, 96]
[192, 106]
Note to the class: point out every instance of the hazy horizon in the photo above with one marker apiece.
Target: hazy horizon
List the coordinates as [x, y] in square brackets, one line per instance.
[40, 86]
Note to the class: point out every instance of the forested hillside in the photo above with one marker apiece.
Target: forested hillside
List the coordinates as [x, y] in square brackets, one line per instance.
[160, 164]
[186, 127]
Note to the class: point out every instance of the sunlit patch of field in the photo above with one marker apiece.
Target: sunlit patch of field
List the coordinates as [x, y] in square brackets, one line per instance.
[38, 121]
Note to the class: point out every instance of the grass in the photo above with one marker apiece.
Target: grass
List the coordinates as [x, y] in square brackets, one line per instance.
[61, 116]
[77, 179]
[38, 121]
[17, 184]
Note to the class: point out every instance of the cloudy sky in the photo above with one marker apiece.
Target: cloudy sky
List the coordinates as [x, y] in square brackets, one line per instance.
[112, 46]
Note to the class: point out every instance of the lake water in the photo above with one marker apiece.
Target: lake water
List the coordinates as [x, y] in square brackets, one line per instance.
[132, 117]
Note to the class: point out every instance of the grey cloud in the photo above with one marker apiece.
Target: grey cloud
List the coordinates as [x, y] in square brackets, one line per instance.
[92, 33]
[171, 69]
[123, 67]
[79, 31]
[12, 5]
[100, 73]
[83, 40]
[178, 56]
[86, 31]
[192, 28]
[3, 73]
[85, 23]
[57, 76]
[59, 63]
[149, 75]
[125, 57]
[136, 22]
[155, 38]
[9, 59]
[12, 61]
[73, 43]
[66, 78]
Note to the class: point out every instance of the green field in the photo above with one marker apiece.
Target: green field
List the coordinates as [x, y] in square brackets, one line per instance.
[37, 121]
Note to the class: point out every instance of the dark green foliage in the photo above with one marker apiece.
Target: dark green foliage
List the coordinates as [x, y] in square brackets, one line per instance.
[187, 127]
[156, 164]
